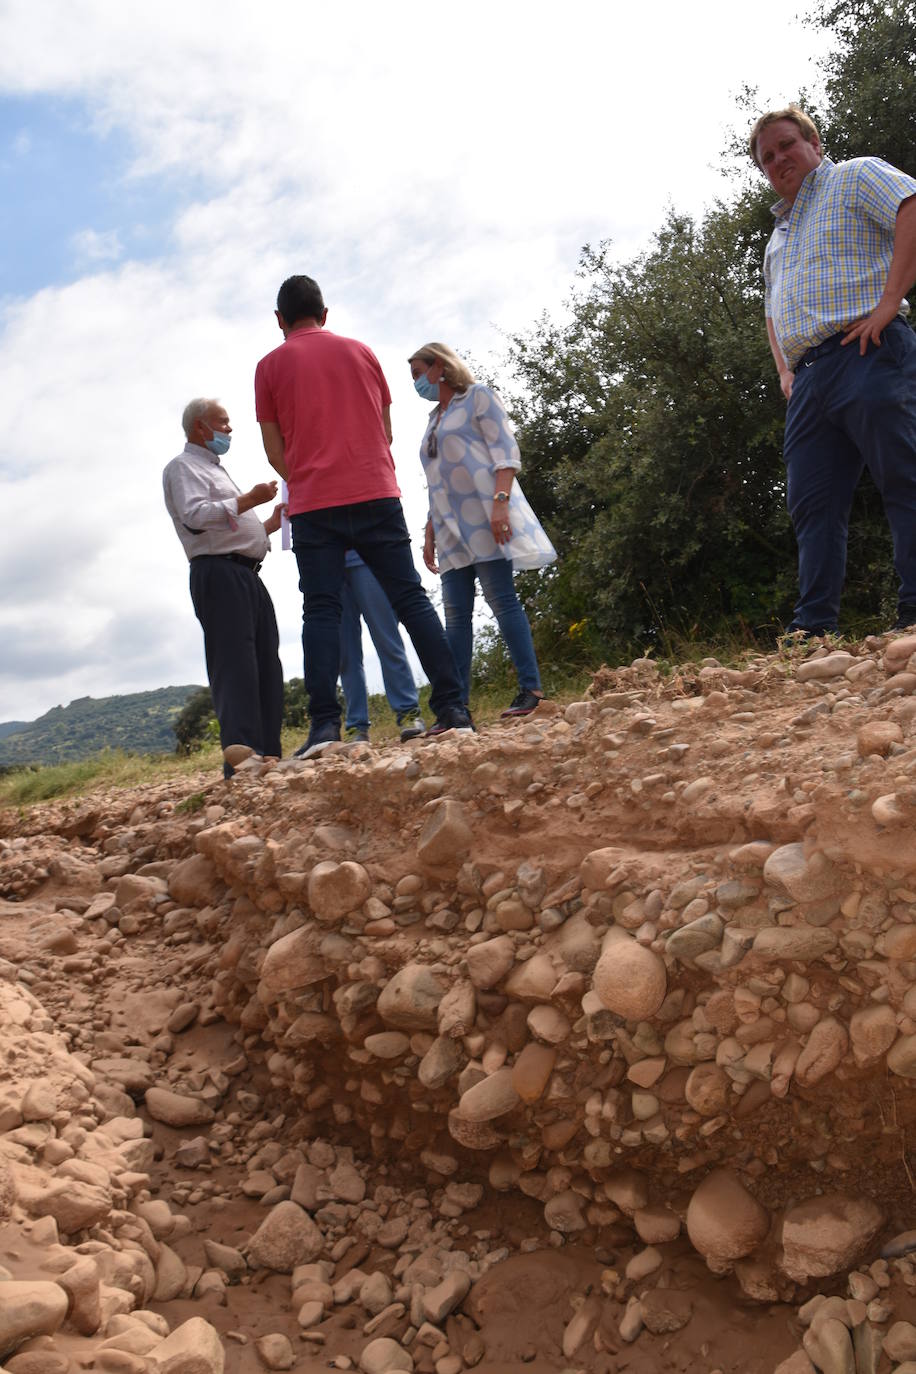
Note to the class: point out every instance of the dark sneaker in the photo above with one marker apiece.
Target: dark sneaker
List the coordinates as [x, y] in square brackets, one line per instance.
[320, 736]
[906, 619]
[456, 718]
[355, 736]
[523, 705]
[411, 727]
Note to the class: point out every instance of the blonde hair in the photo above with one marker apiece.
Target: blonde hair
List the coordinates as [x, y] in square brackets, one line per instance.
[794, 115]
[455, 372]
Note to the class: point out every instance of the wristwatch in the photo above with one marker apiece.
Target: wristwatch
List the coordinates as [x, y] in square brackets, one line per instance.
[501, 496]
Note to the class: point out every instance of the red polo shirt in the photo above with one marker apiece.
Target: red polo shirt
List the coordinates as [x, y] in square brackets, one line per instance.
[327, 394]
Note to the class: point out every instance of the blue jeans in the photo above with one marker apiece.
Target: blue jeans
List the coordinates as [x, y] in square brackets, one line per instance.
[499, 590]
[376, 530]
[848, 412]
[362, 596]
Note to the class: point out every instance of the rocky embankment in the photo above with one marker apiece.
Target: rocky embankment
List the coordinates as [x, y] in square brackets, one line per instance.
[583, 1044]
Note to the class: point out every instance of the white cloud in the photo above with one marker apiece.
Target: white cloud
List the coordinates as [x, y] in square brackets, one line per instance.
[91, 246]
[437, 175]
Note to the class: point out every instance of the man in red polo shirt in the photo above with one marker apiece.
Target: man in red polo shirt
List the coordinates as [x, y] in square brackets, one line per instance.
[325, 414]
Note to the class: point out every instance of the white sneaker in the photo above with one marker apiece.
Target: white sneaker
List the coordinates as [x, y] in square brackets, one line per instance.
[412, 729]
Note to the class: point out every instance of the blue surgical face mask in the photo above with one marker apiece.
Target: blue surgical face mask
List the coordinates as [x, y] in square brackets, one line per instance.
[425, 388]
[219, 444]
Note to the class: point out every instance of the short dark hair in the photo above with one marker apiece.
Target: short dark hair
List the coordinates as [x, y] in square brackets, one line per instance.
[300, 298]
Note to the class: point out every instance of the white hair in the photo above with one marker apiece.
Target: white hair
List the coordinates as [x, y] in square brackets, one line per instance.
[194, 410]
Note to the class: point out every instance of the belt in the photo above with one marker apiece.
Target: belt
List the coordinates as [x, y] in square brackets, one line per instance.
[251, 563]
[833, 343]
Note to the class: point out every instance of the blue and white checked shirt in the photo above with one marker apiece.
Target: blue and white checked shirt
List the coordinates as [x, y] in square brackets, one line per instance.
[827, 261]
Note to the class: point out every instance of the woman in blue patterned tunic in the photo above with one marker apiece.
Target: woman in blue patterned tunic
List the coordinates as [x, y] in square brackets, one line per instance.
[480, 525]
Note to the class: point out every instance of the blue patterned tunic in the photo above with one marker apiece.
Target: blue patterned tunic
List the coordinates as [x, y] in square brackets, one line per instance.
[473, 439]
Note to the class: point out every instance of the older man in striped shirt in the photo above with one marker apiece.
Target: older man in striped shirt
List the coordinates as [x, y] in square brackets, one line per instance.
[837, 269]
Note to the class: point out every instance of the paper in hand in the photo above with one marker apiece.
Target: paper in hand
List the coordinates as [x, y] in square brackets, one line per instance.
[286, 541]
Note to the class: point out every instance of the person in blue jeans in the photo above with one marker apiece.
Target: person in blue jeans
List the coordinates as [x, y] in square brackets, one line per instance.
[363, 597]
[480, 526]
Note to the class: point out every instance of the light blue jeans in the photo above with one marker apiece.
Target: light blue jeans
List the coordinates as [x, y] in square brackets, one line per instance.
[496, 583]
[362, 596]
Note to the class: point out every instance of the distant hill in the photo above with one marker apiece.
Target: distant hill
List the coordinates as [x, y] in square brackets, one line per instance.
[140, 723]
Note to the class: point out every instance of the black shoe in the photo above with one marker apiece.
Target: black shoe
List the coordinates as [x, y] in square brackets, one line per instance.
[523, 705]
[355, 736]
[412, 726]
[320, 736]
[906, 619]
[456, 718]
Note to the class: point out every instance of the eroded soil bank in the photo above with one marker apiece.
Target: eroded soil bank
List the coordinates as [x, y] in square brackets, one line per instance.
[586, 1043]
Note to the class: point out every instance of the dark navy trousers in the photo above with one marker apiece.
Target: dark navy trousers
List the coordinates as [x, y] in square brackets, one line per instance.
[848, 412]
[376, 530]
[241, 645]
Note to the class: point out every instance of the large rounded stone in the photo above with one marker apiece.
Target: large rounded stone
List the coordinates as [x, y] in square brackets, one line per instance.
[900, 942]
[29, 1309]
[445, 839]
[193, 882]
[872, 1030]
[628, 1189]
[74, 1205]
[901, 1058]
[629, 979]
[491, 1097]
[410, 1001]
[724, 1221]
[441, 1061]
[805, 877]
[898, 654]
[824, 1051]
[174, 1109]
[473, 1135]
[337, 889]
[192, 1348]
[793, 942]
[382, 1355]
[490, 961]
[292, 962]
[707, 1089]
[877, 736]
[827, 1234]
[286, 1237]
[532, 1069]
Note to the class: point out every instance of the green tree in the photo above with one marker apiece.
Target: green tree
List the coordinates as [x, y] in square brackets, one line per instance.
[651, 423]
[869, 79]
[192, 725]
[295, 705]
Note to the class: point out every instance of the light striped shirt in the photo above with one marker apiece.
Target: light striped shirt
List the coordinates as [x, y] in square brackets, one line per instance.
[827, 261]
[202, 500]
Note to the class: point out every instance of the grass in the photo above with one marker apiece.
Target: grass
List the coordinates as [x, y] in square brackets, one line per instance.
[112, 768]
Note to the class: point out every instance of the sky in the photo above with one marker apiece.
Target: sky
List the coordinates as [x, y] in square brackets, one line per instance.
[164, 167]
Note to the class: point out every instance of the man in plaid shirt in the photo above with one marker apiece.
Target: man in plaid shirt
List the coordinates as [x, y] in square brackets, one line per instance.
[837, 269]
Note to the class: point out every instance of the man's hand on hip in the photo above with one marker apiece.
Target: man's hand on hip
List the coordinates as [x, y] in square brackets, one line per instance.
[870, 329]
